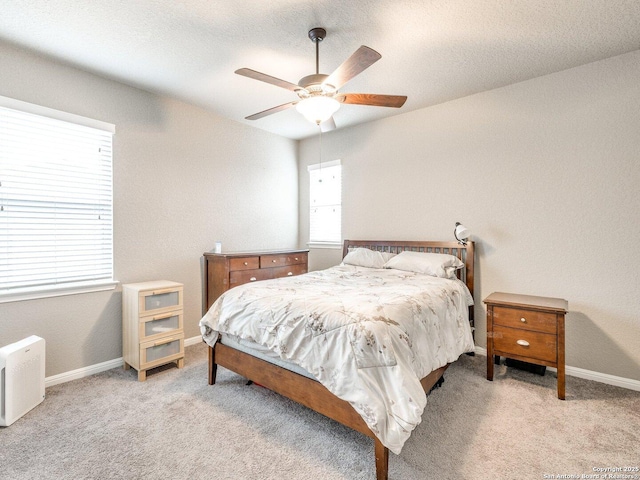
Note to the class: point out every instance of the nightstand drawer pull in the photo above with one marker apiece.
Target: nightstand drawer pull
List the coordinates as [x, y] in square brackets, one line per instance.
[246, 263]
[273, 261]
[162, 342]
[523, 343]
[523, 320]
[252, 279]
[289, 273]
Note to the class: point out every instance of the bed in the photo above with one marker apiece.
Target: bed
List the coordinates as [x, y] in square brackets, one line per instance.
[244, 325]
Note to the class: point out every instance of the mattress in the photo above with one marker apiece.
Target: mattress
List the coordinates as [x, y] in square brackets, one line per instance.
[261, 352]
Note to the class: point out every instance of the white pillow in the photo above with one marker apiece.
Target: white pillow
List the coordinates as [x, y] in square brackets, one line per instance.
[363, 257]
[434, 264]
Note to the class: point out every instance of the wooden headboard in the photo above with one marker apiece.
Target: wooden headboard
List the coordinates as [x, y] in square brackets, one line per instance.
[466, 253]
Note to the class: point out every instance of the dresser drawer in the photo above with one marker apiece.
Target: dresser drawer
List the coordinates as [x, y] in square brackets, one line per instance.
[244, 263]
[288, 271]
[161, 351]
[525, 319]
[525, 343]
[245, 276]
[278, 260]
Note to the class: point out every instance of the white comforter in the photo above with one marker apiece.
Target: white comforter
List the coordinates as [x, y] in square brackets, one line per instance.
[368, 335]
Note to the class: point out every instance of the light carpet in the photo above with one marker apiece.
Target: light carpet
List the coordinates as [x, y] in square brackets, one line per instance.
[175, 426]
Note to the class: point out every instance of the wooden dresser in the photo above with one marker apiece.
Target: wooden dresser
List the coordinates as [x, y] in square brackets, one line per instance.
[526, 328]
[226, 270]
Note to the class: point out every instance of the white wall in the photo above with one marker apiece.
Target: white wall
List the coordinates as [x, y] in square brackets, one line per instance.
[183, 178]
[545, 173]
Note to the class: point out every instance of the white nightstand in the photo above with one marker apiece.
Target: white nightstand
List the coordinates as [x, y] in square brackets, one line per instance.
[152, 325]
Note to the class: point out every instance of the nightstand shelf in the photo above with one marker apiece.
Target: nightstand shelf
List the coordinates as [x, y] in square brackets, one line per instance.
[527, 328]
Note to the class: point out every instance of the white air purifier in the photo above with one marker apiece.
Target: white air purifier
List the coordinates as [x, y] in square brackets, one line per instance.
[21, 378]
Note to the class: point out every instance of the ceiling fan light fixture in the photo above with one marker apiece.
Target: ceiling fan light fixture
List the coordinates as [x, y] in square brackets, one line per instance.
[318, 109]
[318, 93]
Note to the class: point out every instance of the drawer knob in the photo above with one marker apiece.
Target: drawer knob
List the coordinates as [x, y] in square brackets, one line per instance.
[252, 279]
[296, 259]
[246, 263]
[274, 261]
[290, 273]
[523, 320]
[523, 343]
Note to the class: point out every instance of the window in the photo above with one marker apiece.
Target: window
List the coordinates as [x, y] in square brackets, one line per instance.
[325, 201]
[56, 213]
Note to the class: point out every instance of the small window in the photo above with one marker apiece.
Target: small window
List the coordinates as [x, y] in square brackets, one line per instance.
[56, 213]
[325, 202]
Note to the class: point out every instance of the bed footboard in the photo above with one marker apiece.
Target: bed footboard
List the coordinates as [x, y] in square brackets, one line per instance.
[307, 392]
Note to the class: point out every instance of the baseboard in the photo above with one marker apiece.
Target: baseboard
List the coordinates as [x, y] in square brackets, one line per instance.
[117, 362]
[628, 383]
[192, 341]
[99, 367]
[82, 372]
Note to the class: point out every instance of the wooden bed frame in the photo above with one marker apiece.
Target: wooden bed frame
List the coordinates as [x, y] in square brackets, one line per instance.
[313, 394]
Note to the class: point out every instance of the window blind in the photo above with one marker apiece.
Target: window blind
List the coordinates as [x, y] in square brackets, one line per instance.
[325, 194]
[56, 213]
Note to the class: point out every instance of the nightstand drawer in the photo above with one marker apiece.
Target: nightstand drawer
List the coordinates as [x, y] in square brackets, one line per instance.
[153, 302]
[161, 351]
[525, 343]
[246, 276]
[525, 319]
[244, 263]
[157, 326]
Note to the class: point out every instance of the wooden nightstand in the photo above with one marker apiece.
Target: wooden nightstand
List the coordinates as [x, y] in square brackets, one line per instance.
[526, 328]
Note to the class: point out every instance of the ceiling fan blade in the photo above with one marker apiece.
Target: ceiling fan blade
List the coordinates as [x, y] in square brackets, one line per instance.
[395, 101]
[328, 125]
[263, 77]
[361, 59]
[270, 111]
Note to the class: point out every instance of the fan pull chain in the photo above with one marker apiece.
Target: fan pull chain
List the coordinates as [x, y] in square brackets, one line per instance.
[317, 42]
[320, 168]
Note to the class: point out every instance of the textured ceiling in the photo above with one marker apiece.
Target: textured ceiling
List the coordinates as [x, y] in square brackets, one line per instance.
[432, 51]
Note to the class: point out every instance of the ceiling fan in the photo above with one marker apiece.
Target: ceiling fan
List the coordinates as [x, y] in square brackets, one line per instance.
[318, 96]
